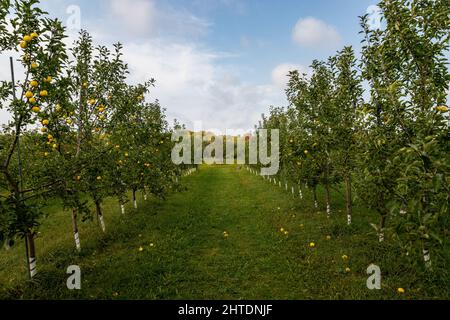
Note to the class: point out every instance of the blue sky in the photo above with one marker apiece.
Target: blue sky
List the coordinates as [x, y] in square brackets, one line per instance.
[268, 27]
[223, 62]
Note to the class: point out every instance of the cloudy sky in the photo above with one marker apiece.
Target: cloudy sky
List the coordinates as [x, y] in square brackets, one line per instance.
[222, 62]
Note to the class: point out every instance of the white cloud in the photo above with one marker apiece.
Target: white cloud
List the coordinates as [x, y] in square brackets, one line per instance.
[5, 75]
[136, 15]
[193, 82]
[280, 75]
[148, 18]
[193, 86]
[315, 33]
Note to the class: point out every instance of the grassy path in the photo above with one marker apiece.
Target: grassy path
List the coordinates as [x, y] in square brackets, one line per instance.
[186, 255]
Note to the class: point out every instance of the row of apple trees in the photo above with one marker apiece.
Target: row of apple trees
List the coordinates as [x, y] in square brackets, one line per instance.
[391, 149]
[78, 132]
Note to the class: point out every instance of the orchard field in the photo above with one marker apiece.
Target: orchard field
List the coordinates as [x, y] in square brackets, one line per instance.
[88, 176]
[186, 255]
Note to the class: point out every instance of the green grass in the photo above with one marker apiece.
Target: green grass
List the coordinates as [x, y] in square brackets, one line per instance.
[191, 258]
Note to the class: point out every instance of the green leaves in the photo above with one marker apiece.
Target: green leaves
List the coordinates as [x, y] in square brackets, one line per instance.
[397, 143]
[82, 108]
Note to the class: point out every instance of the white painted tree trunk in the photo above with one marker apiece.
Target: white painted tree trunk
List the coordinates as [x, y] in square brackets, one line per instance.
[77, 241]
[328, 210]
[349, 219]
[122, 208]
[32, 263]
[427, 258]
[381, 235]
[316, 205]
[102, 223]
[135, 204]
[300, 193]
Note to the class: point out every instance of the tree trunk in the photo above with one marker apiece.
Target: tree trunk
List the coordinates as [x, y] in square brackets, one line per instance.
[7, 244]
[75, 229]
[426, 256]
[382, 226]
[31, 254]
[328, 195]
[348, 198]
[134, 199]
[98, 208]
[122, 206]
[316, 204]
